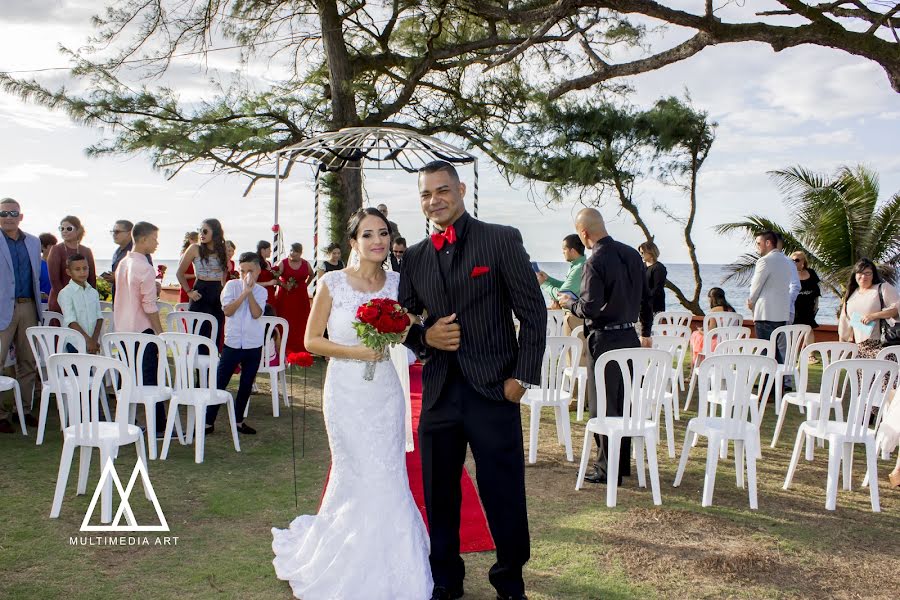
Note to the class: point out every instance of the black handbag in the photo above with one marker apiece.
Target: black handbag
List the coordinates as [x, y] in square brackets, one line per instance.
[890, 334]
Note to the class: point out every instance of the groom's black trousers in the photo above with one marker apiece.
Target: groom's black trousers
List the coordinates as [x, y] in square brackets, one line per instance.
[493, 429]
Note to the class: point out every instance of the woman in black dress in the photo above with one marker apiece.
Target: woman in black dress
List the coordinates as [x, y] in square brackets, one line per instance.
[807, 303]
[656, 276]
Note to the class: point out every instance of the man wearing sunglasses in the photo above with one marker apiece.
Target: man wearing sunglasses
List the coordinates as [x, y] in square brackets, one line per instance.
[121, 234]
[20, 307]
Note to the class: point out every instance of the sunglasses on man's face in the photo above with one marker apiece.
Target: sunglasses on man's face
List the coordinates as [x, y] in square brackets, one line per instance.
[117, 231]
[66, 228]
[9, 213]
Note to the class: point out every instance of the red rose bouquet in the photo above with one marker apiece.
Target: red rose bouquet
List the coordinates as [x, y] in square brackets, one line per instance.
[380, 323]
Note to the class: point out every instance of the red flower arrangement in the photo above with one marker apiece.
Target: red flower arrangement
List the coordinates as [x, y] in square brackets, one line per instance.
[381, 322]
[301, 359]
[275, 228]
[161, 271]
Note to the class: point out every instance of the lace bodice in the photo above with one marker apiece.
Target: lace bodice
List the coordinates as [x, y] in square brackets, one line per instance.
[345, 300]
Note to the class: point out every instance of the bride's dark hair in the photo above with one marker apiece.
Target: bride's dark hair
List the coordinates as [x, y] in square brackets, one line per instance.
[357, 218]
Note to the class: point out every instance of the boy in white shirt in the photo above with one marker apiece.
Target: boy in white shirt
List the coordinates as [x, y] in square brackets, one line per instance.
[242, 302]
[80, 304]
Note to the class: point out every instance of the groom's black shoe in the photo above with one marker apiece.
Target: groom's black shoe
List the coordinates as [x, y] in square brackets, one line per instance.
[442, 593]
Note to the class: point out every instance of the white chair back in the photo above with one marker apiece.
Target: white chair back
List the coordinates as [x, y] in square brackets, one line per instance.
[679, 318]
[51, 318]
[185, 349]
[866, 379]
[794, 336]
[109, 322]
[713, 337]
[556, 318]
[182, 306]
[890, 353]
[645, 373]
[673, 344]
[747, 346]
[828, 352]
[721, 319]
[84, 377]
[192, 322]
[730, 379]
[273, 325]
[106, 305]
[130, 348]
[46, 341]
[559, 353]
[669, 330]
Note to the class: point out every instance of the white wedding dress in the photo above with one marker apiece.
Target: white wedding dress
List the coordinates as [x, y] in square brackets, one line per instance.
[368, 540]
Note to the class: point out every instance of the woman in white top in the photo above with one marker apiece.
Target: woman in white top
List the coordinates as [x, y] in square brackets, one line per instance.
[867, 301]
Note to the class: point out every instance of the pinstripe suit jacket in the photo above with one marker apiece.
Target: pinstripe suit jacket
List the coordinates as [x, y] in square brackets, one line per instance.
[489, 352]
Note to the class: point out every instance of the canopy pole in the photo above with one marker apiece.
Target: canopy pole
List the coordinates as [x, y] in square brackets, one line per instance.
[315, 260]
[475, 166]
[276, 245]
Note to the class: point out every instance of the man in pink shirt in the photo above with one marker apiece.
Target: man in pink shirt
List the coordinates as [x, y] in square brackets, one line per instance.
[134, 306]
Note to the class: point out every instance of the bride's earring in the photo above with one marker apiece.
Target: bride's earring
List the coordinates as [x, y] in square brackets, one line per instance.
[354, 258]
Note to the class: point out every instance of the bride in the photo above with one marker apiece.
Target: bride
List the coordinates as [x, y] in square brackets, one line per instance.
[368, 540]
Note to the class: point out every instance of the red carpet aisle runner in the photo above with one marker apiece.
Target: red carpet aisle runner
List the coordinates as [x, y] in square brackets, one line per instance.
[474, 535]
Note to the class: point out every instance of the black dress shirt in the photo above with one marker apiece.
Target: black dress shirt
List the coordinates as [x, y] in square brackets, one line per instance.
[656, 281]
[614, 288]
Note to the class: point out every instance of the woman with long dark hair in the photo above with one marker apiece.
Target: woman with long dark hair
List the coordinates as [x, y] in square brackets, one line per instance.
[210, 262]
[72, 232]
[292, 298]
[867, 300]
[717, 303]
[268, 277]
[190, 237]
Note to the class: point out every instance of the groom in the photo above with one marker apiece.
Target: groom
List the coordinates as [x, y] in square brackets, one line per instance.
[470, 278]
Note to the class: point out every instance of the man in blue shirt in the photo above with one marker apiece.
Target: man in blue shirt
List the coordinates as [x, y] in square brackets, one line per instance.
[20, 307]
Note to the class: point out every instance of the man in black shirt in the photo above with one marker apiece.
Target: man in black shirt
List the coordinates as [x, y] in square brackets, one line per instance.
[614, 295]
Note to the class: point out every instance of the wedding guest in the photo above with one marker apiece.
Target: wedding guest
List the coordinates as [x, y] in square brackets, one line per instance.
[398, 249]
[395, 231]
[20, 307]
[190, 237]
[717, 303]
[332, 260]
[770, 295]
[210, 260]
[134, 307]
[292, 298]
[867, 301]
[121, 234]
[807, 303]
[242, 302]
[72, 232]
[793, 288]
[80, 304]
[48, 240]
[267, 276]
[614, 296]
[230, 249]
[573, 253]
[656, 275]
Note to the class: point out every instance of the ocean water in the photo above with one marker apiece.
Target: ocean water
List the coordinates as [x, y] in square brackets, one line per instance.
[713, 276]
[679, 274]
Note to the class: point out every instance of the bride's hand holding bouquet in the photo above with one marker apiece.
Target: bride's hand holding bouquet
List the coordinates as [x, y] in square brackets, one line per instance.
[380, 323]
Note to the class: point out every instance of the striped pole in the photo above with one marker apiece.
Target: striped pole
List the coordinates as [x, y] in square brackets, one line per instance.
[316, 231]
[276, 234]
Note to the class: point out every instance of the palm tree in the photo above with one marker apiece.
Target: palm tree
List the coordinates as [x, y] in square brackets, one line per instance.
[836, 222]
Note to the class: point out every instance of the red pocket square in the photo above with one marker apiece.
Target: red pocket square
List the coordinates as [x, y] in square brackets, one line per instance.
[478, 271]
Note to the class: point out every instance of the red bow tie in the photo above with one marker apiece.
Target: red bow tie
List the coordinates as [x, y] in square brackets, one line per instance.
[447, 236]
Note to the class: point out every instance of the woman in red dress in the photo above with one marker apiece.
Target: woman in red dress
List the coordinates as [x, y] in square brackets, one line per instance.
[190, 237]
[292, 299]
[268, 275]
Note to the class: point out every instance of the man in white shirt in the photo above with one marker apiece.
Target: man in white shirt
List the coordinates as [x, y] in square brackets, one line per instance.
[242, 302]
[770, 296]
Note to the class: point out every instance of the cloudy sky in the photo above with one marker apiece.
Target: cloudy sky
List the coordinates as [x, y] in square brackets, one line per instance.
[811, 106]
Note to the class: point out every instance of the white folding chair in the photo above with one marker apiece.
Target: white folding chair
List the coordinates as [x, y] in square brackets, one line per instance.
[888, 353]
[866, 380]
[733, 377]
[679, 318]
[50, 318]
[130, 349]
[713, 337]
[8, 383]
[807, 399]
[82, 376]
[559, 352]
[274, 351]
[669, 330]
[184, 348]
[45, 342]
[556, 319]
[106, 306]
[573, 373]
[192, 323]
[109, 322]
[182, 306]
[794, 336]
[676, 347]
[645, 373]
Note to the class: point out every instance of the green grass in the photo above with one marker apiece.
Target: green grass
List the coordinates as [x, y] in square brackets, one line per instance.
[222, 511]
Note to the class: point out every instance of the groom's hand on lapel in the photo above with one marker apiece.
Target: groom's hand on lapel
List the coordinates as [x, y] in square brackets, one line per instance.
[444, 334]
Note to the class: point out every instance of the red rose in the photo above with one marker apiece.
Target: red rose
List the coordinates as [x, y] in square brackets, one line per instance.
[384, 324]
[368, 313]
[301, 359]
[275, 228]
